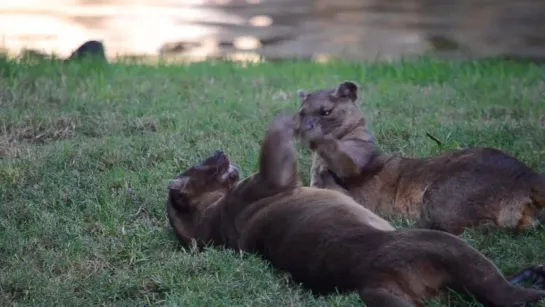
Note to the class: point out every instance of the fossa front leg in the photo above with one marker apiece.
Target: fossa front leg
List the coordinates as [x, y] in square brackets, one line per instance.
[277, 160]
[317, 171]
[320, 177]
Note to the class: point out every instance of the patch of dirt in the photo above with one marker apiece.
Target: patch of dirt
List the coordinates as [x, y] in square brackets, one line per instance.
[40, 133]
[141, 125]
[157, 290]
[12, 292]
[10, 150]
[502, 113]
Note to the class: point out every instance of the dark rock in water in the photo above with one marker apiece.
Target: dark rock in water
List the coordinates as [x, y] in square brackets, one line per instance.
[92, 48]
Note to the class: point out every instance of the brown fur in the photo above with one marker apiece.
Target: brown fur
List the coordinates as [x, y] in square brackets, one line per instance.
[449, 192]
[323, 238]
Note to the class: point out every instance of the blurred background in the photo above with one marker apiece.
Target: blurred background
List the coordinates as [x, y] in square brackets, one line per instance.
[278, 29]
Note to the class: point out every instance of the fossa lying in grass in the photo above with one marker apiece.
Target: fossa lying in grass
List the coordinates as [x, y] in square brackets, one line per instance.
[323, 238]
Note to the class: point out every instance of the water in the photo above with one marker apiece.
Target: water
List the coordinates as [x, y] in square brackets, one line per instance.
[319, 29]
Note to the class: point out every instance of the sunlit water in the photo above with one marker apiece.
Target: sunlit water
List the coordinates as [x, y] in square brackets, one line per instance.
[359, 29]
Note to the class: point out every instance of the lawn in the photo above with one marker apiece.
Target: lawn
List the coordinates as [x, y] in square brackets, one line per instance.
[86, 154]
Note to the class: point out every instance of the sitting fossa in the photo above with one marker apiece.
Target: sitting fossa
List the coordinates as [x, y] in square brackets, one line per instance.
[449, 192]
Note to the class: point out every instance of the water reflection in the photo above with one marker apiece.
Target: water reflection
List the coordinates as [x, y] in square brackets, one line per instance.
[319, 29]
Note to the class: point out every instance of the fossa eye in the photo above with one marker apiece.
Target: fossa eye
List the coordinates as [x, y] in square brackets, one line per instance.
[325, 112]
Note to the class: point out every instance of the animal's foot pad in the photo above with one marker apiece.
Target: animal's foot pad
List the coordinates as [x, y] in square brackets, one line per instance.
[535, 274]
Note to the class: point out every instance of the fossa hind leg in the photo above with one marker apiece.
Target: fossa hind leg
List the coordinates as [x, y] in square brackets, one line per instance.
[482, 279]
[489, 207]
[449, 261]
[536, 274]
[472, 271]
[458, 211]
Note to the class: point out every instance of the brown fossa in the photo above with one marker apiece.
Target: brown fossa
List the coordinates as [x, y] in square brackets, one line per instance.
[323, 238]
[449, 192]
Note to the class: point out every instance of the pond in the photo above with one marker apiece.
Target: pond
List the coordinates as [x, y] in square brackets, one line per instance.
[278, 29]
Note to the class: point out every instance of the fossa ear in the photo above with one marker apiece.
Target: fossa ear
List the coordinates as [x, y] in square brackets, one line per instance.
[178, 184]
[302, 95]
[347, 89]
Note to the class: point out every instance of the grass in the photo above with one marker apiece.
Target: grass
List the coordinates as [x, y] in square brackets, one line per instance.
[86, 154]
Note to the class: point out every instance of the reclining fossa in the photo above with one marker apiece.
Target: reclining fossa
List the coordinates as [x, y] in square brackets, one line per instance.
[323, 238]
